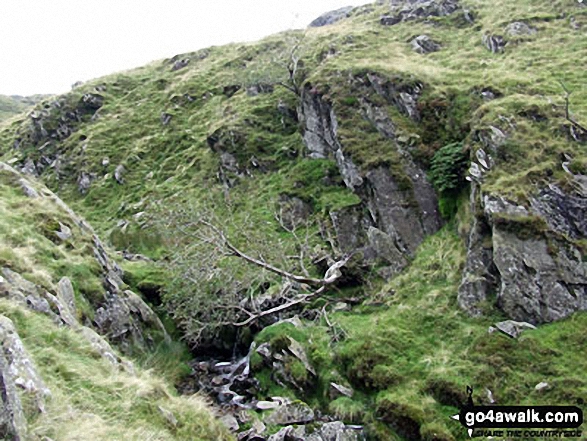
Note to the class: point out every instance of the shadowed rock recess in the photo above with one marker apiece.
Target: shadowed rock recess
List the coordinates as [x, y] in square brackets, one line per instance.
[324, 235]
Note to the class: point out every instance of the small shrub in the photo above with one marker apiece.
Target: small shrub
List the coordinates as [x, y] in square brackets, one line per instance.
[447, 169]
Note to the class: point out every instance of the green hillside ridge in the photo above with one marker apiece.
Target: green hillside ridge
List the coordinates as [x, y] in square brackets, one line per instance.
[15, 104]
[218, 134]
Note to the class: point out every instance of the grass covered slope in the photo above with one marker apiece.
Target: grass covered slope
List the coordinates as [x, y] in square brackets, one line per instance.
[410, 352]
[91, 399]
[13, 105]
[94, 393]
[214, 132]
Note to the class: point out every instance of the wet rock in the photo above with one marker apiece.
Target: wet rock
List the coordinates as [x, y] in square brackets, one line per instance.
[293, 413]
[331, 17]
[494, 43]
[423, 44]
[519, 28]
[512, 328]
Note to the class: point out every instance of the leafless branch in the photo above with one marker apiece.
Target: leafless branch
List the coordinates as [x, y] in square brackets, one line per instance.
[567, 112]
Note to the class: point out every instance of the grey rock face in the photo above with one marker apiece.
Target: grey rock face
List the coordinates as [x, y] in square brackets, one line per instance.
[320, 136]
[402, 208]
[494, 43]
[406, 10]
[331, 17]
[180, 64]
[537, 278]
[423, 44]
[18, 376]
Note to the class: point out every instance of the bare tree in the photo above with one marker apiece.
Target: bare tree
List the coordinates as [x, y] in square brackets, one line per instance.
[218, 284]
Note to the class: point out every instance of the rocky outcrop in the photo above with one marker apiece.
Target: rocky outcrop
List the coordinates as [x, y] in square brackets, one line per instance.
[423, 44]
[407, 10]
[47, 126]
[517, 28]
[494, 43]
[18, 377]
[120, 314]
[331, 17]
[527, 255]
[399, 206]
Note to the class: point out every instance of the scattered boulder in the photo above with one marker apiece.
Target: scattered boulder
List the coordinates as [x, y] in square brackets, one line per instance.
[331, 17]
[542, 386]
[230, 422]
[230, 90]
[494, 43]
[512, 328]
[423, 44]
[180, 64]
[519, 28]
[84, 182]
[119, 174]
[259, 88]
[166, 118]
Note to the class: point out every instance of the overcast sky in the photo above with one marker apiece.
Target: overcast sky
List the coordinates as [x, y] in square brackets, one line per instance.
[47, 45]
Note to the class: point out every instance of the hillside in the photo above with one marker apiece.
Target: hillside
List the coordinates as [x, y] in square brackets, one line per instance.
[14, 104]
[362, 218]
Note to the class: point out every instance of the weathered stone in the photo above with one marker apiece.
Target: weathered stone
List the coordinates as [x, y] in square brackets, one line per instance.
[542, 386]
[119, 174]
[230, 422]
[180, 64]
[293, 212]
[320, 136]
[423, 44]
[494, 43]
[293, 413]
[519, 28]
[28, 189]
[298, 351]
[406, 10]
[17, 369]
[166, 118]
[84, 182]
[513, 329]
[331, 17]
[100, 345]
[338, 390]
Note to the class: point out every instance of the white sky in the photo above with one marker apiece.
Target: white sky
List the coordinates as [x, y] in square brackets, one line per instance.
[47, 45]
